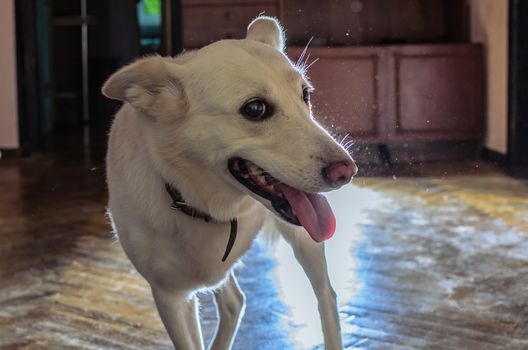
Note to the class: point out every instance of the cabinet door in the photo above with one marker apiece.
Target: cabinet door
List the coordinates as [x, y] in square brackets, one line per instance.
[347, 94]
[437, 92]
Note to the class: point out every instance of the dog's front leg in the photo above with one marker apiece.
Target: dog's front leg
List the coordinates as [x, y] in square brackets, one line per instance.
[312, 258]
[230, 302]
[179, 315]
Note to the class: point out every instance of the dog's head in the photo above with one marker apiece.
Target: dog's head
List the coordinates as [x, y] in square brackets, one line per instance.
[241, 110]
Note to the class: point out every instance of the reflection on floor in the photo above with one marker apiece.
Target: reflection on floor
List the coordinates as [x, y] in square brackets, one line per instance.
[429, 262]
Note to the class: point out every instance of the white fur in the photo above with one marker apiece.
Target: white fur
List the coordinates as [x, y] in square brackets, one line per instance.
[180, 123]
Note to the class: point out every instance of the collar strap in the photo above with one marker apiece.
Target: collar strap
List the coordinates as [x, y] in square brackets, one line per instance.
[178, 203]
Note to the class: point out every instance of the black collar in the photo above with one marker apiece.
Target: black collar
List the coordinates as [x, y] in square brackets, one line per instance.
[178, 203]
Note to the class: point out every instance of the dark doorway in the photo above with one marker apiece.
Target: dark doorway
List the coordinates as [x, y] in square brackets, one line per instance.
[66, 50]
[518, 84]
[32, 123]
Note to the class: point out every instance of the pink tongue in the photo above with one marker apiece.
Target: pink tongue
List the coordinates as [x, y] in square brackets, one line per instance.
[313, 212]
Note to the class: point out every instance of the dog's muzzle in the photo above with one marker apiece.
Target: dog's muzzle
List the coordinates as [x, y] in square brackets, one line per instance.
[296, 207]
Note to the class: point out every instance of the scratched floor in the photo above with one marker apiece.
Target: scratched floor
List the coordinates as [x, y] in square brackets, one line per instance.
[438, 260]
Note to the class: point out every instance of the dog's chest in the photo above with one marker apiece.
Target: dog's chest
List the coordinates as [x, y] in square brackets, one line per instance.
[193, 254]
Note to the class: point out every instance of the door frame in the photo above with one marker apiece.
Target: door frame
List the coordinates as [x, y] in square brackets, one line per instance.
[518, 83]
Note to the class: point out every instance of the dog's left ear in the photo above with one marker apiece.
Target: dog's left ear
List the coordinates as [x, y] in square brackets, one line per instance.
[267, 30]
[149, 84]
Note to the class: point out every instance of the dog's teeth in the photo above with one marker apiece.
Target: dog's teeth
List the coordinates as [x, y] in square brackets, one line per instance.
[271, 180]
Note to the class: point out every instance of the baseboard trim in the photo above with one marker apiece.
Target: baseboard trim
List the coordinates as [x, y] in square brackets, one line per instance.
[416, 152]
[494, 156]
[11, 153]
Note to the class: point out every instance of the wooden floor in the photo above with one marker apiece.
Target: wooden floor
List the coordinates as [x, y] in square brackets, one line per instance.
[435, 261]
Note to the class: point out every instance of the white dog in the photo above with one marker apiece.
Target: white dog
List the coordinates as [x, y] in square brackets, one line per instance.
[207, 146]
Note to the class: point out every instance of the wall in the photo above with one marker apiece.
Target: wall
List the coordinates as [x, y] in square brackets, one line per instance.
[8, 86]
[489, 26]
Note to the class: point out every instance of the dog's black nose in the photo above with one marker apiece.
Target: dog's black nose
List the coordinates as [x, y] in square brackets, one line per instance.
[339, 173]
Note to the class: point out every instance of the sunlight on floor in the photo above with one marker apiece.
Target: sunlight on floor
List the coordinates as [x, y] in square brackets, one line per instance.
[350, 205]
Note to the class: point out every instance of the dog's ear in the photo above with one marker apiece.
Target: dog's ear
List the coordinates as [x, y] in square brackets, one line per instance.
[268, 31]
[150, 84]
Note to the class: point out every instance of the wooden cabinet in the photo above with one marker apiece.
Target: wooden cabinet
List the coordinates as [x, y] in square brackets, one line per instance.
[436, 92]
[400, 93]
[390, 94]
[206, 21]
[365, 22]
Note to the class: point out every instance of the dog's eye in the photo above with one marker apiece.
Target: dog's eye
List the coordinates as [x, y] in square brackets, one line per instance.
[255, 109]
[306, 95]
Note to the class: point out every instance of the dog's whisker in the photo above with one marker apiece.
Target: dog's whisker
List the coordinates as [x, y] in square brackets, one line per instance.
[306, 60]
[349, 144]
[301, 68]
[343, 139]
[311, 64]
[299, 60]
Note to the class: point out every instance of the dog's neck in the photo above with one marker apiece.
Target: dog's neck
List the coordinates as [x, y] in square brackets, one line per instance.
[207, 193]
[178, 203]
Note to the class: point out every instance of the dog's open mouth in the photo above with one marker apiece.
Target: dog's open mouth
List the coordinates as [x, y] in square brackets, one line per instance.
[310, 210]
